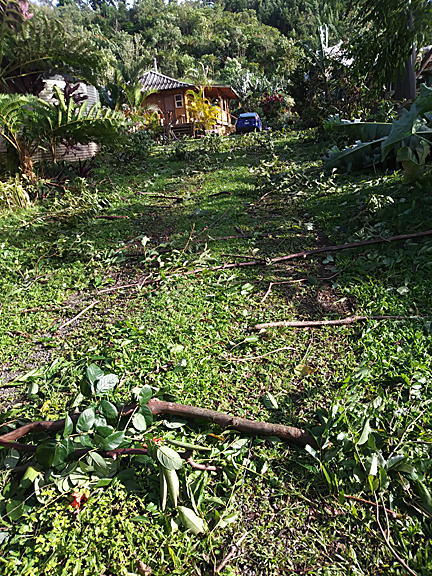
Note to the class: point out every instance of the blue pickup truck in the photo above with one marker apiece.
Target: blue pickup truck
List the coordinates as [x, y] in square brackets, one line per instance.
[248, 122]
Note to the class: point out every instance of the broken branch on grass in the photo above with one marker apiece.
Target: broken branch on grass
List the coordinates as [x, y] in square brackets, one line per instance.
[261, 262]
[109, 216]
[259, 357]
[220, 194]
[253, 427]
[159, 195]
[284, 282]
[387, 541]
[233, 550]
[78, 315]
[207, 467]
[340, 322]
[393, 514]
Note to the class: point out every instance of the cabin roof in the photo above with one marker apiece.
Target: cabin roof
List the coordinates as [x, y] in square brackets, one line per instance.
[157, 81]
[224, 89]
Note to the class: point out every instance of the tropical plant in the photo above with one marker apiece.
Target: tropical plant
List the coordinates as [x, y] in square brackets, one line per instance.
[13, 194]
[29, 123]
[42, 44]
[378, 141]
[387, 35]
[199, 75]
[201, 110]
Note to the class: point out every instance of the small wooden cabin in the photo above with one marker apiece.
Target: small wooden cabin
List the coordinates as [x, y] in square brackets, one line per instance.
[172, 101]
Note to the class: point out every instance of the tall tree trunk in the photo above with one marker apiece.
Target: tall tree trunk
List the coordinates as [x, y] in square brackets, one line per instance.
[26, 159]
[405, 88]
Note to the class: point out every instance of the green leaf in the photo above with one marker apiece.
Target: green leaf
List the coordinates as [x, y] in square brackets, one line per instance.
[68, 427]
[113, 441]
[239, 443]
[383, 479]
[12, 459]
[144, 519]
[86, 420]
[190, 520]
[93, 373]
[188, 446]
[365, 434]
[139, 422]
[16, 508]
[108, 410]
[104, 482]
[86, 441]
[105, 384]
[33, 389]
[169, 458]
[145, 395]
[410, 121]
[98, 460]
[147, 413]
[394, 460]
[424, 494]
[60, 455]
[270, 402]
[104, 431]
[45, 453]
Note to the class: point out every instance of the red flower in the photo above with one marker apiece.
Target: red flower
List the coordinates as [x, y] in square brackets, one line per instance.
[78, 498]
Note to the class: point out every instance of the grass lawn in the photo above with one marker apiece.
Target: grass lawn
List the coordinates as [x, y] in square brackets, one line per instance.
[364, 389]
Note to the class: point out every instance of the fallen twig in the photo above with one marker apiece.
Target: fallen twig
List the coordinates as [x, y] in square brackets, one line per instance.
[283, 282]
[109, 216]
[393, 514]
[137, 285]
[78, 315]
[351, 245]
[261, 262]
[340, 322]
[198, 466]
[159, 195]
[233, 550]
[387, 541]
[220, 194]
[253, 427]
[248, 359]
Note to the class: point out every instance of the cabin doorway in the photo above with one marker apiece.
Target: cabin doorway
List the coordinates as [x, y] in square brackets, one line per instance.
[169, 109]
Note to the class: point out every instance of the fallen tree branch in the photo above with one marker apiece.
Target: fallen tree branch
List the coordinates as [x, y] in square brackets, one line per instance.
[356, 499]
[387, 541]
[233, 550]
[249, 358]
[305, 254]
[159, 195]
[78, 315]
[341, 322]
[253, 427]
[351, 245]
[109, 217]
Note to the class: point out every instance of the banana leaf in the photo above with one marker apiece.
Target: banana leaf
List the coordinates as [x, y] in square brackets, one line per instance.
[364, 131]
[361, 155]
[410, 123]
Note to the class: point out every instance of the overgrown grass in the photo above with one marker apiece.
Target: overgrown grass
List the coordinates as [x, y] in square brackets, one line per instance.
[192, 338]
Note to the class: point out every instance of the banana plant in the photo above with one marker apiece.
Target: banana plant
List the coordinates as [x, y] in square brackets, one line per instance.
[378, 141]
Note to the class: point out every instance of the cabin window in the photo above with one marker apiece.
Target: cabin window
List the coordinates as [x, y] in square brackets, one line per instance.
[178, 100]
[224, 104]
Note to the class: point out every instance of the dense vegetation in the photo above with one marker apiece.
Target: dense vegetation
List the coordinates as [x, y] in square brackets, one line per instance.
[149, 275]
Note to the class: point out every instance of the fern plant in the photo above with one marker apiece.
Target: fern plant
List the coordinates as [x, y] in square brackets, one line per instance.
[29, 123]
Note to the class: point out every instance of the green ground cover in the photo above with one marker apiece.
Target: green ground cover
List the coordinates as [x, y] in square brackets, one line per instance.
[364, 390]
